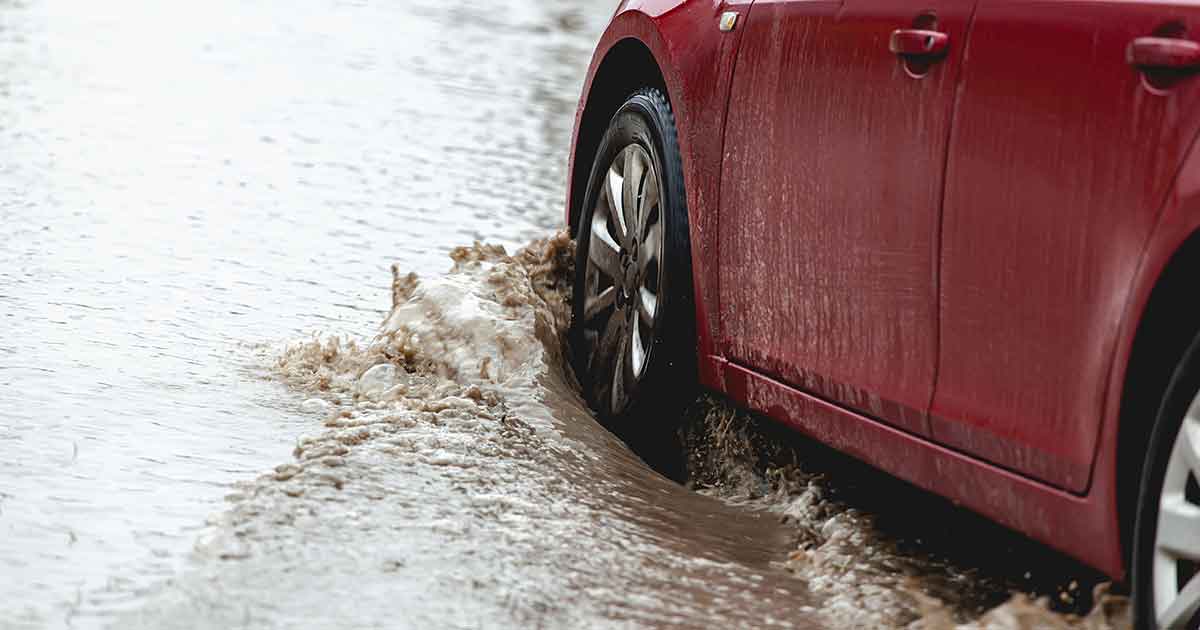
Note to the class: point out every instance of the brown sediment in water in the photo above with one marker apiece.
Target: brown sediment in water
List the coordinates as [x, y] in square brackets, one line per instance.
[853, 545]
[459, 477]
[869, 542]
[457, 480]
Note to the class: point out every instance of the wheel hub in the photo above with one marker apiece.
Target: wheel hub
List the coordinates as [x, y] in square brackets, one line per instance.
[623, 276]
[629, 277]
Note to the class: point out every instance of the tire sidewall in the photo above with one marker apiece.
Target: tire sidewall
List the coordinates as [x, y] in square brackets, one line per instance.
[645, 119]
[1182, 390]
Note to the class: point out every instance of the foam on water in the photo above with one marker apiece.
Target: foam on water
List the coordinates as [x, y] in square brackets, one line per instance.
[878, 553]
[458, 480]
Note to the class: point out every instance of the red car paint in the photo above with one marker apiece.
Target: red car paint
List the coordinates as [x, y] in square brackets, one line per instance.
[938, 265]
[830, 199]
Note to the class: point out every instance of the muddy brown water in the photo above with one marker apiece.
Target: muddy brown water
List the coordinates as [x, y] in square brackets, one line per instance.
[204, 424]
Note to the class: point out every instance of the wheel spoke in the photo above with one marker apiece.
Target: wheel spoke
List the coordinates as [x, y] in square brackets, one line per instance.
[594, 306]
[1179, 528]
[651, 246]
[615, 183]
[637, 354]
[631, 180]
[607, 345]
[619, 377]
[647, 306]
[649, 201]
[602, 251]
[1181, 611]
[1189, 444]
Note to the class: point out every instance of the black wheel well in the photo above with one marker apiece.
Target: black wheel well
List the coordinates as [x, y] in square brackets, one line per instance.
[1167, 328]
[627, 67]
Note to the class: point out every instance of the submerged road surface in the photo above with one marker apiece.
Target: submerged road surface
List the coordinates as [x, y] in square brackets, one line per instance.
[220, 405]
[181, 182]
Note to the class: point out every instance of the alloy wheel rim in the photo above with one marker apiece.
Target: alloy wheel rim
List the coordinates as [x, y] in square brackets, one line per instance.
[1177, 538]
[623, 276]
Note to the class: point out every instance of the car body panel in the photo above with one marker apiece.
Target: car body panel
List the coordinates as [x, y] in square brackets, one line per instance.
[696, 60]
[830, 202]
[698, 65]
[1054, 183]
[1084, 527]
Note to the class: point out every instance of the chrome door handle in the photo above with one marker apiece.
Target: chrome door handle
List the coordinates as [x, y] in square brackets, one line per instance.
[1163, 53]
[916, 42]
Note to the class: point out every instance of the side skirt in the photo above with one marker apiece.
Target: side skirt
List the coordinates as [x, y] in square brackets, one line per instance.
[1084, 527]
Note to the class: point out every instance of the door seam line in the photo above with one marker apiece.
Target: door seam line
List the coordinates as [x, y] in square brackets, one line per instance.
[939, 249]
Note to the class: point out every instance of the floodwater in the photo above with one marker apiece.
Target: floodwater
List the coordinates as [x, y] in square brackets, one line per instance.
[220, 406]
[183, 181]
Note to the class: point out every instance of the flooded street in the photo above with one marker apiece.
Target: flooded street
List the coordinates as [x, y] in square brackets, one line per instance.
[181, 183]
[221, 406]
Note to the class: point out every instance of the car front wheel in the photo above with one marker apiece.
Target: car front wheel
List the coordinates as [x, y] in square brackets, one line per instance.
[1166, 558]
[632, 335]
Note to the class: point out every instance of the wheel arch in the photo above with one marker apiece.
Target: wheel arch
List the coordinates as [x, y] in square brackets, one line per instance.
[1161, 321]
[1168, 324]
[674, 45]
[626, 67]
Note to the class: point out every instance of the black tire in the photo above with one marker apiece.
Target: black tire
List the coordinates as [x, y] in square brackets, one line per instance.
[654, 403]
[1182, 390]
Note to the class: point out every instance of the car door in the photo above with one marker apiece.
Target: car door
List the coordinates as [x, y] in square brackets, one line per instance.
[1061, 157]
[831, 187]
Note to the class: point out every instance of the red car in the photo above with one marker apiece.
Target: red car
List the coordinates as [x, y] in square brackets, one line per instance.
[956, 239]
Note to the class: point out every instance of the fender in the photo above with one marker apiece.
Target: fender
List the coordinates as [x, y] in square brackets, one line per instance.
[1178, 221]
[696, 60]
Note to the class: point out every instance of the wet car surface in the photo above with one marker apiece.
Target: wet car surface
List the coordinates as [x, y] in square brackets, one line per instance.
[203, 422]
